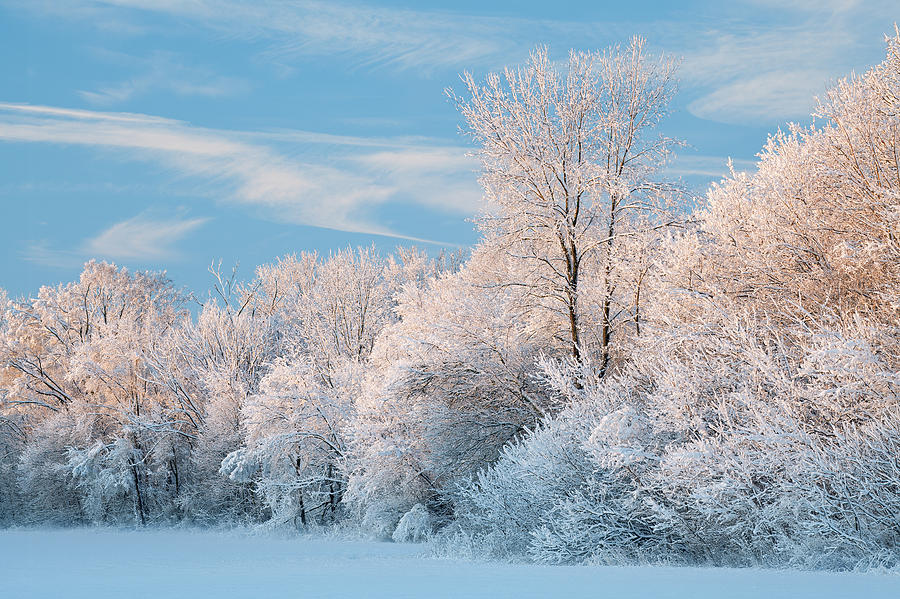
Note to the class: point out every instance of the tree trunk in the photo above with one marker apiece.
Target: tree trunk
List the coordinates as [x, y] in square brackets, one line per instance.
[139, 500]
[606, 304]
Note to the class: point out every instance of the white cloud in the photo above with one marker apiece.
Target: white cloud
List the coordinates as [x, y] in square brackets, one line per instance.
[714, 167]
[402, 38]
[765, 98]
[41, 252]
[142, 238]
[749, 47]
[720, 57]
[338, 190]
[415, 170]
[810, 5]
[770, 71]
[164, 71]
[74, 113]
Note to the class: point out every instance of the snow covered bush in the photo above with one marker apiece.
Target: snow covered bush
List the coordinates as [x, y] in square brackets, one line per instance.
[568, 491]
[414, 527]
[11, 446]
[48, 494]
[717, 449]
[107, 478]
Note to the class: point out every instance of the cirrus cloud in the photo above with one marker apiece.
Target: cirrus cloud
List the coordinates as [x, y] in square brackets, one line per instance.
[143, 238]
[341, 190]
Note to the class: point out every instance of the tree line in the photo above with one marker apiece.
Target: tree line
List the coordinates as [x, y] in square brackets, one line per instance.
[616, 372]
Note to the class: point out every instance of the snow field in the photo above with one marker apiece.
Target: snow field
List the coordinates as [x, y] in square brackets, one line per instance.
[97, 563]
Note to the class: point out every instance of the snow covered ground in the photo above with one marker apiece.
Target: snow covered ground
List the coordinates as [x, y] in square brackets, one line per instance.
[99, 563]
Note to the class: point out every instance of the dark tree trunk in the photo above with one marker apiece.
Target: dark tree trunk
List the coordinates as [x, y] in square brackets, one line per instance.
[139, 500]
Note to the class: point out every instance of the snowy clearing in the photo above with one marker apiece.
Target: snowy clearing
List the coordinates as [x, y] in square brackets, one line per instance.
[100, 563]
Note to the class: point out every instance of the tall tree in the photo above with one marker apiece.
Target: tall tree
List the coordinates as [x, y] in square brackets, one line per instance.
[568, 161]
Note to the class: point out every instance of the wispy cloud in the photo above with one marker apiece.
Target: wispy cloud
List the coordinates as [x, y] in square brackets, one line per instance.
[811, 5]
[766, 73]
[399, 37]
[419, 168]
[766, 97]
[163, 71]
[142, 238]
[145, 238]
[339, 190]
[754, 62]
[43, 253]
[711, 167]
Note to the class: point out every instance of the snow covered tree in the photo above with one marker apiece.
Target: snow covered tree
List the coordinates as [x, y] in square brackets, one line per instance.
[814, 230]
[75, 371]
[298, 426]
[448, 385]
[12, 440]
[569, 160]
[757, 422]
[214, 365]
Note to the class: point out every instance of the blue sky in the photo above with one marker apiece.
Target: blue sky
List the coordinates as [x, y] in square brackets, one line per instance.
[171, 134]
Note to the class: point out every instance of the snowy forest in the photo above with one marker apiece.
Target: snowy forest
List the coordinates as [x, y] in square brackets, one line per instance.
[618, 372]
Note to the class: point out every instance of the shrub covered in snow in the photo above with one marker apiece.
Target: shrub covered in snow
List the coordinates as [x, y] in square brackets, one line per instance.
[414, 527]
[722, 448]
